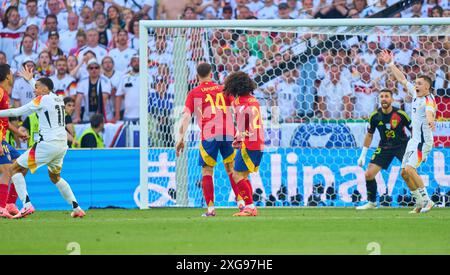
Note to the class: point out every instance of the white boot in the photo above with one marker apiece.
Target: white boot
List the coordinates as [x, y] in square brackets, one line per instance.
[369, 205]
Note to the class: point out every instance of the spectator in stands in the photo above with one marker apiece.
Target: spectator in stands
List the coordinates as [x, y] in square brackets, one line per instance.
[122, 53]
[12, 32]
[209, 10]
[69, 107]
[334, 96]
[114, 18]
[269, 11]
[160, 107]
[92, 93]
[416, 10]
[244, 13]
[337, 9]
[104, 34]
[98, 6]
[286, 96]
[403, 51]
[44, 66]
[437, 11]
[255, 5]
[3, 59]
[246, 61]
[27, 52]
[32, 13]
[72, 63]
[189, 14]
[171, 9]
[308, 74]
[62, 80]
[87, 19]
[50, 24]
[81, 39]
[306, 12]
[200, 7]
[353, 13]
[373, 9]
[284, 12]
[160, 55]
[141, 6]
[360, 6]
[108, 69]
[133, 30]
[370, 54]
[54, 8]
[128, 15]
[68, 37]
[80, 71]
[446, 13]
[92, 136]
[33, 31]
[52, 48]
[128, 92]
[365, 92]
[227, 13]
[294, 7]
[93, 45]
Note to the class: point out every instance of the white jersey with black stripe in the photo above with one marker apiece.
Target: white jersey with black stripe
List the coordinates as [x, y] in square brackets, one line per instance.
[421, 131]
[51, 113]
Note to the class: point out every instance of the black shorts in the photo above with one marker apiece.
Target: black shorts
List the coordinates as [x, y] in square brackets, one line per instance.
[383, 157]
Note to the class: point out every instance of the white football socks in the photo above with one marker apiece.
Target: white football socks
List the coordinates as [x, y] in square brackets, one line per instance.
[423, 194]
[21, 188]
[66, 192]
[419, 201]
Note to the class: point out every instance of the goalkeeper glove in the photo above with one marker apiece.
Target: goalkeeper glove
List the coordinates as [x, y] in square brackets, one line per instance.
[362, 158]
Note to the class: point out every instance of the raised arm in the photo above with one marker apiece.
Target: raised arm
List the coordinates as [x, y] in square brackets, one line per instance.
[388, 58]
[430, 111]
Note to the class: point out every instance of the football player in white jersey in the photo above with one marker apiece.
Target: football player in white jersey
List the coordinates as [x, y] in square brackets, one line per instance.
[423, 124]
[49, 150]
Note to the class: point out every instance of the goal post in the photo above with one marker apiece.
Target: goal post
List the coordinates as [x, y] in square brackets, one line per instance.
[169, 181]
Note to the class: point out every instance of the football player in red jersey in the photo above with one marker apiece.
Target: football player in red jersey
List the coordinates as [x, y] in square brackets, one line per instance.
[212, 109]
[8, 153]
[249, 138]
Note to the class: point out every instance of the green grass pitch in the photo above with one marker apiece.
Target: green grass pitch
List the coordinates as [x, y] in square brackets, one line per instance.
[274, 231]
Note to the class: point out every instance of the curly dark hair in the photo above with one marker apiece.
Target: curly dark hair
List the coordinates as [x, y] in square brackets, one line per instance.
[239, 84]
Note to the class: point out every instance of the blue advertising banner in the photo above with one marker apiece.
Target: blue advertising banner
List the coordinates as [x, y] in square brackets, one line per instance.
[287, 176]
[300, 177]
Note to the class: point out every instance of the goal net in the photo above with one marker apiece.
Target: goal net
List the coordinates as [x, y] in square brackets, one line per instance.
[318, 83]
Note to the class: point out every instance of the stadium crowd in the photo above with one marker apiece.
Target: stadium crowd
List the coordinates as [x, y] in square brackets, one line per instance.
[90, 51]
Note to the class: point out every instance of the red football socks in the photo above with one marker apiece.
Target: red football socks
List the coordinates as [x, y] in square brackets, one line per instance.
[235, 187]
[208, 190]
[245, 190]
[12, 194]
[3, 195]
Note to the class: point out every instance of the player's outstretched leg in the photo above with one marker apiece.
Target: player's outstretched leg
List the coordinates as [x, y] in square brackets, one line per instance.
[67, 194]
[371, 185]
